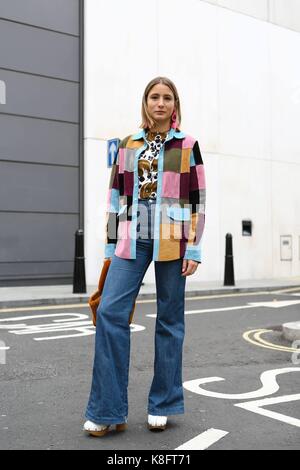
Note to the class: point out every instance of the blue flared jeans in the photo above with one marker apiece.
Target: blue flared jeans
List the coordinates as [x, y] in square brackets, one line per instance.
[108, 401]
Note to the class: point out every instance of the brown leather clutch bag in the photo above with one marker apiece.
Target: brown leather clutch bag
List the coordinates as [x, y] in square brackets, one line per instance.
[95, 298]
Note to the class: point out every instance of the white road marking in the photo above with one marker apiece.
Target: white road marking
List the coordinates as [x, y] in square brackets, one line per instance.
[272, 304]
[276, 303]
[74, 316]
[203, 440]
[256, 407]
[3, 349]
[3, 346]
[41, 307]
[210, 310]
[268, 380]
[258, 341]
[80, 323]
[84, 331]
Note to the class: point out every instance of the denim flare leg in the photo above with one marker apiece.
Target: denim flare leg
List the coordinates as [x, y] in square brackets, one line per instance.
[108, 401]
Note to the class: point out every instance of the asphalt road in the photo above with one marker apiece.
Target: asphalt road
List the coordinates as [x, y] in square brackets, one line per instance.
[45, 377]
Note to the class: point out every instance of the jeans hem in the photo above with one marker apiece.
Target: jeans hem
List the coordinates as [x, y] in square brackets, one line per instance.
[106, 420]
[166, 412]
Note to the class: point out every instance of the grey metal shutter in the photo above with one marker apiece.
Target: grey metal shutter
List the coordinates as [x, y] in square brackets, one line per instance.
[39, 139]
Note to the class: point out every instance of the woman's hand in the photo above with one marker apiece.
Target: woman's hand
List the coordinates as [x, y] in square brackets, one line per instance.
[189, 267]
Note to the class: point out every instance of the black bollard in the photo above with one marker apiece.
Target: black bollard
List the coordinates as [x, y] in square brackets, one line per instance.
[229, 269]
[79, 285]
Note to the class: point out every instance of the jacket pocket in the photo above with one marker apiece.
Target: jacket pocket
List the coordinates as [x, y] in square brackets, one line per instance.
[176, 222]
[179, 213]
[122, 209]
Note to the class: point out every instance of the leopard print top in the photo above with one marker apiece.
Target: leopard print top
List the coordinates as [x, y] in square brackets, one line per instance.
[147, 167]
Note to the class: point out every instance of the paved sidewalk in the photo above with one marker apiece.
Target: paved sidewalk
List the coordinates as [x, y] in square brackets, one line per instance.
[63, 294]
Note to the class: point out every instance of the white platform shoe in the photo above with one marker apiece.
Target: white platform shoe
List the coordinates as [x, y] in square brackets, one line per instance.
[99, 430]
[157, 423]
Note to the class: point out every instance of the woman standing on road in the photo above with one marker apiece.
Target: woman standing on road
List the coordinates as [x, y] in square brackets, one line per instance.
[155, 212]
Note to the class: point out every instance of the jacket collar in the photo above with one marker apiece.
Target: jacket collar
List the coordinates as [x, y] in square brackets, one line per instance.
[172, 133]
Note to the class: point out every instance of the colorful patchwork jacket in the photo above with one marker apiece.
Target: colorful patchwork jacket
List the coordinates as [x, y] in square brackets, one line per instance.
[180, 204]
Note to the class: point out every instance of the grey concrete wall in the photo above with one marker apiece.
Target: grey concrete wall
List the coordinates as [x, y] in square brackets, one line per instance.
[39, 138]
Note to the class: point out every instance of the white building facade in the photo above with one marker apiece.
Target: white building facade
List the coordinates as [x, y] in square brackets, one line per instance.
[235, 63]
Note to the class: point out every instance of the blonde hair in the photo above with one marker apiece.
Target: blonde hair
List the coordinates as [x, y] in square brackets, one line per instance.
[147, 121]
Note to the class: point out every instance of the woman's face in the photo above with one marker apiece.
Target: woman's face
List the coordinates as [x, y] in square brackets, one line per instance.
[161, 104]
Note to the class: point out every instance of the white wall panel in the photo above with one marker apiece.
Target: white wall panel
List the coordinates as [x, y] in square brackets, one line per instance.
[285, 215]
[285, 13]
[245, 194]
[256, 8]
[285, 93]
[239, 82]
[244, 106]
[121, 57]
[197, 78]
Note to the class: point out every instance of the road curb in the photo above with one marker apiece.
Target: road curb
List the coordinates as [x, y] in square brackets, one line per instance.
[142, 296]
[291, 331]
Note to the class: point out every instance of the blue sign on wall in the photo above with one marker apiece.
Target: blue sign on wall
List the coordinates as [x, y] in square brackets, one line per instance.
[112, 149]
